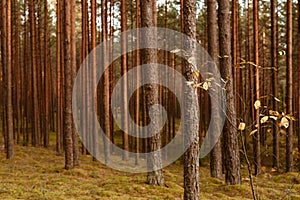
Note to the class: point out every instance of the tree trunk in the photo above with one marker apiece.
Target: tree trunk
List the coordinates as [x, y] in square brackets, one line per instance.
[216, 154]
[124, 71]
[67, 128]
[274, 63]
[231, 148]
[289, 89]
[191, 117]
[36, 114]
[256, 137]
[7, 68]
[299, 77]
[58, 78]
[154, 161]
[73, 71]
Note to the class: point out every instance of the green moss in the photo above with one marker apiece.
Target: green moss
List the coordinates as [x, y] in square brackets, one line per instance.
[37, 173]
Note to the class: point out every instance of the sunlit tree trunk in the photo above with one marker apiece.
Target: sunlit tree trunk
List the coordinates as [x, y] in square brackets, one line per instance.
[191, 117]
[151, 93]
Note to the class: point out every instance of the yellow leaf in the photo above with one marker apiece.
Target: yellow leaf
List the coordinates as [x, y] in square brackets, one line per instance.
[242, 126]
[291, 117]
[196, 75]
[274, 113]
[257, 104]
[264, 119]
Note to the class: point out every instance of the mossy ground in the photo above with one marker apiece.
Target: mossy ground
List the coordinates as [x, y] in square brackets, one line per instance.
[37, 173]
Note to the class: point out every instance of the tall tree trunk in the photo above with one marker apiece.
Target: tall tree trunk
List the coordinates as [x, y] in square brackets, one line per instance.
[124, 71]
[231, 148]
[58, 78]
[67, 128]
[47, 71]
[154, 161]
[274, 63]
[138, 75]
[289, 89]
[299, 77]
[216, 154]
[84, 53]
[256, 137]
[191, 117]
[93, 81]
[7, 66]
[73, 71]
[106, 94]
[36, 114]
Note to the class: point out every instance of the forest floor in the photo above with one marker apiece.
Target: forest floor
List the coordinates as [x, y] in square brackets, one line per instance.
[37, 173]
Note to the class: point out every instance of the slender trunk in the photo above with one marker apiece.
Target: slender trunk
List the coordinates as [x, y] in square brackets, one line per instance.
[256, 137]
[67, 128]
[274, 63]
[36, 114]
[58, 77]
[289, 89]
[73, 72]
[299, 77]
[216, 154]
[124, 71]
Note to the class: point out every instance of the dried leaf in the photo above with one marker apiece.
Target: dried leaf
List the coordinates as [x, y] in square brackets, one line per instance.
[282, 53]
[205, 86]
[284, 122]
[274, 113]
[264, 119]
[257, 104]
[175, 51]
[291, 117]
[274, 117]
[196, 74]
[276, 99]
[242, 126]
[191, 60]
[253, 132]
[190, 83]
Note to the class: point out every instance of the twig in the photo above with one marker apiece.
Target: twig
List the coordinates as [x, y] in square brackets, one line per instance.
[249, 167]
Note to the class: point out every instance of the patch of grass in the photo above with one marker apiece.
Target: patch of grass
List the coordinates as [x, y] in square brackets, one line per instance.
[37, 173]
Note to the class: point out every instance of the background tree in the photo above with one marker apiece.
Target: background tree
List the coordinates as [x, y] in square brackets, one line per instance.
[256, 136]
[216, 154]
[289, 89]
